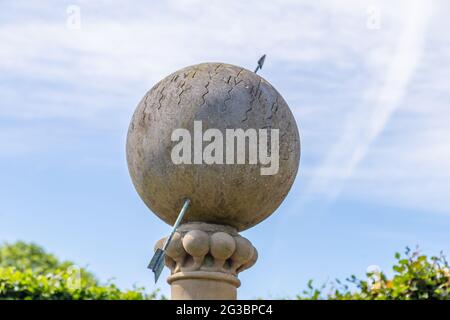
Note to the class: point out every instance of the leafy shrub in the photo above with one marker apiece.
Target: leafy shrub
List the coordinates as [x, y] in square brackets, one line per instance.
[416, 277]
[28, 272]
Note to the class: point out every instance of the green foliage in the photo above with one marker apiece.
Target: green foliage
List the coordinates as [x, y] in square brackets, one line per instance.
[416, 277]
[28, 272]
[23, 256]
[29, 256]
[58, 286]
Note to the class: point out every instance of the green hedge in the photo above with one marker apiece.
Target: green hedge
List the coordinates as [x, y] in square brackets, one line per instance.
[54, 286]
[415, 277]
[28, 272]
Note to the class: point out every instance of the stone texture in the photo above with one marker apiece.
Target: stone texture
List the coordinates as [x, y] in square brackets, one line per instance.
[207, 261]
[189, 287]
[222, 96]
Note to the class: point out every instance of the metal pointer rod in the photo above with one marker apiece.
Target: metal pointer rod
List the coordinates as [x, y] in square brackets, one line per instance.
[260, 63]
[157, 262]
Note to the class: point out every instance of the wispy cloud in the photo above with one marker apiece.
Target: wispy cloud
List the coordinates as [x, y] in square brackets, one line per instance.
[385, 94]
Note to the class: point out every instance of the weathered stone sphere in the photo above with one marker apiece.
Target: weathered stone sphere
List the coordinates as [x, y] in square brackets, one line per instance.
[218, 96]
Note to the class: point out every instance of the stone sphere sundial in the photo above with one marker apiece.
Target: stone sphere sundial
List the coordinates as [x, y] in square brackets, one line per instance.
[223, 137]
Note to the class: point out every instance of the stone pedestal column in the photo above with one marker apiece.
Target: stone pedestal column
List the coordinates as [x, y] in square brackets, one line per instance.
[205, 260]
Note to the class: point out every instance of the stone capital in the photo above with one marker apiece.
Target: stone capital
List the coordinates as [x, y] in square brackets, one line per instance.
[205, 260]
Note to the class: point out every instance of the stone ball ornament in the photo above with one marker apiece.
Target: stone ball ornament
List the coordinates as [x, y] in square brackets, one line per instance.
[223, 137]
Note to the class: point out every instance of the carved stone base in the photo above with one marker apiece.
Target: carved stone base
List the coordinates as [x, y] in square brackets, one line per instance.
[205, 260]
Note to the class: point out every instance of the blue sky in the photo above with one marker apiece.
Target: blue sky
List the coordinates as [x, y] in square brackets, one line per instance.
[368, 83]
